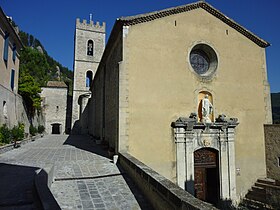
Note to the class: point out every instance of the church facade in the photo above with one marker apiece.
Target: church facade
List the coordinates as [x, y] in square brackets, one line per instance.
[185, 91]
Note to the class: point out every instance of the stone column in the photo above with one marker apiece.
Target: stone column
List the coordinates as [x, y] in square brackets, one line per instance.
[180, 140]
[231, 154]
[190, 162]
[224, 167]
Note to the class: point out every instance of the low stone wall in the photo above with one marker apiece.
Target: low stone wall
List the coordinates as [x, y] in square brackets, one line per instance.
[42, 184]
[161, 192]
[272, 150]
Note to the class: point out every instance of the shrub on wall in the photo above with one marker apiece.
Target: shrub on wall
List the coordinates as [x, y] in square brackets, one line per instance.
[41, 129]
[8, 135]
[5, 134]
[17, 133]
[33, 130]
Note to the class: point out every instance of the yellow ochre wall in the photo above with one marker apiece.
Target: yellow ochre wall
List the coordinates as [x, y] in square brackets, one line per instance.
[162, 87]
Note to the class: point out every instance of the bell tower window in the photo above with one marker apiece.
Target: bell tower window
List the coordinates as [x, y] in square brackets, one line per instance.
[90, 48]
[88, 78]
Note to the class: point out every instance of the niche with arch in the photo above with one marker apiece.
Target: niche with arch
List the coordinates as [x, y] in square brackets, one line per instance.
[201, 96]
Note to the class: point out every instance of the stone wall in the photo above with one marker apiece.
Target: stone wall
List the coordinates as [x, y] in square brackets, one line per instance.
[272, 149]
[162, 193]
[16, 111]
[8, 107]
[104, 105]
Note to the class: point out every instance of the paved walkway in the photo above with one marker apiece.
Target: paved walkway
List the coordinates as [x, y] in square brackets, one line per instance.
[84, 177]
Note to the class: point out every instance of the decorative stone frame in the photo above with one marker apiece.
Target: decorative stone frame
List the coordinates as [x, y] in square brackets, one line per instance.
[190, 136]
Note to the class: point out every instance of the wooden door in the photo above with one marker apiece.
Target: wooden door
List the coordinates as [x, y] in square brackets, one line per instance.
[199, 183]
[206, 175]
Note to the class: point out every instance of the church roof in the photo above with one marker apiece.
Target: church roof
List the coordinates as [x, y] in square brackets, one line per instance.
[57, 84]
[133, 20]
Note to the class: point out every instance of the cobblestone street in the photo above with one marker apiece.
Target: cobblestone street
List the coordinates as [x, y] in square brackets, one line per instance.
[84, 178]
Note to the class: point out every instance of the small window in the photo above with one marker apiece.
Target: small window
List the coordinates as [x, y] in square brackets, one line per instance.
[6, 47]
[278, 161]
[13, 79]
[14, 52]
[90, 48]
[88, 78]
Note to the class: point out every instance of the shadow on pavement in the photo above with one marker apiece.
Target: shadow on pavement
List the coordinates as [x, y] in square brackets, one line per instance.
[85, 143]
[17, 189]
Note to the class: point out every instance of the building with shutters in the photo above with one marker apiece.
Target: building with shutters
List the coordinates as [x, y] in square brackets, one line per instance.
[11, 108]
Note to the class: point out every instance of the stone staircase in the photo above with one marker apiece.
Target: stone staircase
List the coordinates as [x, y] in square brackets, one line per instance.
[265, 194]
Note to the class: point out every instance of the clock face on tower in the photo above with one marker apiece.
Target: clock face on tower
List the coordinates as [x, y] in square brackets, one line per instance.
[199, 61]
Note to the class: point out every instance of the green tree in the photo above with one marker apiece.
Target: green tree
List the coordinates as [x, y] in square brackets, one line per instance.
[41, 66]
[35, 63]
[29, 89]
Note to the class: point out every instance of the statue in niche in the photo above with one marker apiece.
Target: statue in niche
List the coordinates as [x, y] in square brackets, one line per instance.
[207, 109]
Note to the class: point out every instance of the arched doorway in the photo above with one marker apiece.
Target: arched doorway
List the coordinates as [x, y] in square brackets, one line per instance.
[206, 175]
[56, 128]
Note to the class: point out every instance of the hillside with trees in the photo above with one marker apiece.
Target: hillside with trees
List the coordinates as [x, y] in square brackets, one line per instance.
[36, 69]
[275, 102]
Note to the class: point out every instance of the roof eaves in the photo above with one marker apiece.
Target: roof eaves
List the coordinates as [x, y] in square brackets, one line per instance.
[11, 27]
[133, 20]
[234, 25]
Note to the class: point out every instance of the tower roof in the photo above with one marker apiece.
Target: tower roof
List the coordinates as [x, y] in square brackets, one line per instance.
[57, 84]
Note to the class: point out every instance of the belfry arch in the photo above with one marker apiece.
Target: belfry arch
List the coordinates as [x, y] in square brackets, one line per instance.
[89, 78]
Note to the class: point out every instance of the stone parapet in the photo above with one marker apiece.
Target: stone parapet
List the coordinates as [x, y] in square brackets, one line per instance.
[91, 26]
[161, 192]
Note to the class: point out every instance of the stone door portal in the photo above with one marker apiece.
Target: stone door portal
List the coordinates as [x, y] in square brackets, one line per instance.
[56, 128]
[205, 158]
[206, 175]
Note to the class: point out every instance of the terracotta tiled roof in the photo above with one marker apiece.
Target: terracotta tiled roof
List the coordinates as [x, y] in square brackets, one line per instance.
[58, 84]
[133, 20]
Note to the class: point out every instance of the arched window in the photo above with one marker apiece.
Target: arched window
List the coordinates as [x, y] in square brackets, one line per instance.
[90, 48]
[88, 78]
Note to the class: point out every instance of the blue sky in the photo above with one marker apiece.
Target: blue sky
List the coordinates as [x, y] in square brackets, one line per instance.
[53, 22]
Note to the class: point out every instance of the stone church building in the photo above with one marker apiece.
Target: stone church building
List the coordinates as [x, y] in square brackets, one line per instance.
[184, 90]
[54, 106]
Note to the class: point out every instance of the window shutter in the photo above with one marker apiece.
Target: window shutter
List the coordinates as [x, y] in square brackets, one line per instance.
[12, 79]
[6, 48]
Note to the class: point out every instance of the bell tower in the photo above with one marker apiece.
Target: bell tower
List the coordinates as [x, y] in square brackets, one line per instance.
[89, 47]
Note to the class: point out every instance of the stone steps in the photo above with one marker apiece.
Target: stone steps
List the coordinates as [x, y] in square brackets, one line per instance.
[257, 197]
[253, 204]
